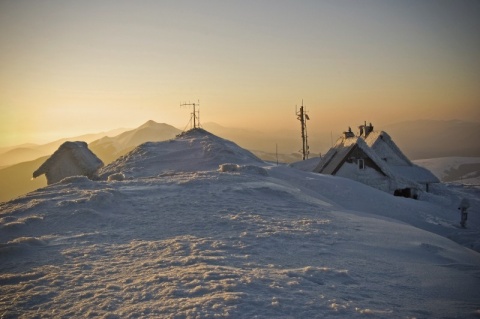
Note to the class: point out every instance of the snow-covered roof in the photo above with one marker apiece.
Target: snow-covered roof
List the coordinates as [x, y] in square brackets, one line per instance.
[414, 173]
[194, 150]
[336, 158]
[381, 149]
[337, 155]
[71, 154]
[385, 148]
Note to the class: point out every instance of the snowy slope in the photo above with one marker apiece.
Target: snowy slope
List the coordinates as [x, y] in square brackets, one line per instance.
[451, 169]
[307, 165]
[192, 151]
[184, 239]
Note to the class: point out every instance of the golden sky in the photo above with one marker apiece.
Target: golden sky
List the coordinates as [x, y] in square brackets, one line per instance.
[74, 67]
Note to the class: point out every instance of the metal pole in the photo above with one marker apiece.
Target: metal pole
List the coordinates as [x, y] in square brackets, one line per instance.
[194, 116]
[276, 152]
[302, 121]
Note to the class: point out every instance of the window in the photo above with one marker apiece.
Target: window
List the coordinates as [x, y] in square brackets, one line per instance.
[361, 164]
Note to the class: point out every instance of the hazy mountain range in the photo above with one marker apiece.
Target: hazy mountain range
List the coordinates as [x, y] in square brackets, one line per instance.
[417, 139]
[466, 170]
[109, 149]
[28, 152]
[431, 139]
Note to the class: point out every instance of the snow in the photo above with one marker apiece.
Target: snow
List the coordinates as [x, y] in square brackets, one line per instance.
[71, 158]
[450, 168]
[384, 147]
[192, 151]
[307, 165]
[200, 228]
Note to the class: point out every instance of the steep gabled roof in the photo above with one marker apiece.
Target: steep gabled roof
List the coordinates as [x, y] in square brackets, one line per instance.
[338, 154]
[334, 159]
[399, 164]
[77, 152]
[415, 173]
[381, 149]
[385, 148]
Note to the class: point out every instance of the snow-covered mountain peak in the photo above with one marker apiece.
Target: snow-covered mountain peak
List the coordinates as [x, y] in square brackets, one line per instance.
[194, 150]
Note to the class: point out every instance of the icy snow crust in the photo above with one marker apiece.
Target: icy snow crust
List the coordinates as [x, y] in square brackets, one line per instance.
[240, 240]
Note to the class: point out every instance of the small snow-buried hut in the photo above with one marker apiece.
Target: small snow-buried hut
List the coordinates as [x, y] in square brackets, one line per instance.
[71, 159]
[374, 159]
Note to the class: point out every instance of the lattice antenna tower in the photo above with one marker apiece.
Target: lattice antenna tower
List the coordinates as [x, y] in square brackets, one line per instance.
[303, 117]
[195, 115]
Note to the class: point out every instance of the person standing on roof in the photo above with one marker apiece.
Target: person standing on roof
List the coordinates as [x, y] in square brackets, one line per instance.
[464, 205]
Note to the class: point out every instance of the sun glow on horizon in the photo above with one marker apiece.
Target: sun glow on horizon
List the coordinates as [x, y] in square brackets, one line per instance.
[71, 68]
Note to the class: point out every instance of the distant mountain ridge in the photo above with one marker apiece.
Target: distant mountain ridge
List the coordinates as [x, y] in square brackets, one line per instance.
[109, 149]
[28, 152]
[422, 139]
[20, 154]
[17, 179]
[454, 169]
[417, 139]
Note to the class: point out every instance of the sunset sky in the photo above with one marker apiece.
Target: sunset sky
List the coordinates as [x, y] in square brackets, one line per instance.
[74, 67]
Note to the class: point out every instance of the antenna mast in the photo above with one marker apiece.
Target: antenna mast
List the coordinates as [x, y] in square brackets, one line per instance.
[303, 117]
[195, 115]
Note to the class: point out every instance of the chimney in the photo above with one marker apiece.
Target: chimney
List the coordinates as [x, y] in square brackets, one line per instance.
[348, 133]
[365, 130]
[368, 129]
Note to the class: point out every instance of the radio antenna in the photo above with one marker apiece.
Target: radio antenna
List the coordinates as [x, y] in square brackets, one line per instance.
[303, 117]
[195, 115]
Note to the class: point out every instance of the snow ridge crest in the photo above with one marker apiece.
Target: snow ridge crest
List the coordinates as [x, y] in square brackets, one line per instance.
[193, 150]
